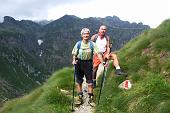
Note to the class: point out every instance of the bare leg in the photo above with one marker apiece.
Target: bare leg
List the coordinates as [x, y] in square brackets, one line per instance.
[90, 88]
[116, 64]
[79, 88]
[95, 72]
[115, 59]
[94, 76]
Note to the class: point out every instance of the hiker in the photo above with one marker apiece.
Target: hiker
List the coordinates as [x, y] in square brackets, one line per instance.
[103, 43]
[82, 59]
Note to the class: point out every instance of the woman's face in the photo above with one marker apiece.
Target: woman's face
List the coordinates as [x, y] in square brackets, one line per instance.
[86, 36]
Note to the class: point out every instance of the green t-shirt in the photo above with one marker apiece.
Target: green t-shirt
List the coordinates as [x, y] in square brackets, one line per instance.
[85, 51]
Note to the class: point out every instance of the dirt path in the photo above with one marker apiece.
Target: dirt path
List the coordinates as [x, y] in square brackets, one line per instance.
[85, 107]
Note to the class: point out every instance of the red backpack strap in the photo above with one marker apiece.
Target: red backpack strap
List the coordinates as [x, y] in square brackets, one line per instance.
[108, 43]
[107, 38]
[94, 37]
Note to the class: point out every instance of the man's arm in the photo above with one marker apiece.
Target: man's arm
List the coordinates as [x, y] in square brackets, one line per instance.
[108, 45]
[93, 38]
[100, 55]
[103, 61]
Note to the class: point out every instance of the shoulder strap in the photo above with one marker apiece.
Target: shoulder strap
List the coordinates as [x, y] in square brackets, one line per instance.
[90, 45]
[107, 37]
[78, 46]
[95, 37]
[92, 49]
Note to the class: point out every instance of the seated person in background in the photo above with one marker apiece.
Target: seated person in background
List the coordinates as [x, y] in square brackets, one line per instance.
[103, 43]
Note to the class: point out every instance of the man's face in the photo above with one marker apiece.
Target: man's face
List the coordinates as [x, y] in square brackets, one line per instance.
[102, 30]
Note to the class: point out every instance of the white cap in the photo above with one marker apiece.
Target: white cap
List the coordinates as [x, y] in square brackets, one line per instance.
[85, 30]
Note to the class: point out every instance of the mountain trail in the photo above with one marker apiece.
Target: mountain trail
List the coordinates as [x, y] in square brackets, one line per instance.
[85, 107]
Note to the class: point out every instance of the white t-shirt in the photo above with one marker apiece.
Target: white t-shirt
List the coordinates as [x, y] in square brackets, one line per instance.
[101, 44]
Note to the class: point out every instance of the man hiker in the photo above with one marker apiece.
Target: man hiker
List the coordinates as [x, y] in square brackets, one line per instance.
[103, 43]
[83, 61]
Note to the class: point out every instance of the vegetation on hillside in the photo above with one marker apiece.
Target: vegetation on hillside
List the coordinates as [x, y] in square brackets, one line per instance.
[23, 58]
[146, 59]
[53, 97]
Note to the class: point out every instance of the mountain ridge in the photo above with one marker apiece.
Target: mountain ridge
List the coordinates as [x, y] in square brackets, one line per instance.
[146, 60]
[26, 62]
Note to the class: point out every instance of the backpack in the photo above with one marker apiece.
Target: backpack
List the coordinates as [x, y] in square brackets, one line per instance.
[106, 36]
[96, 36]
[91, 47]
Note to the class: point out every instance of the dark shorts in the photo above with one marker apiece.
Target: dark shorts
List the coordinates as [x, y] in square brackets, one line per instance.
[84, 68]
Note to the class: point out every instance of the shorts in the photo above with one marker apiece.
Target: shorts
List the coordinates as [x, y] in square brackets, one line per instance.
[84, 68]
[96, 60]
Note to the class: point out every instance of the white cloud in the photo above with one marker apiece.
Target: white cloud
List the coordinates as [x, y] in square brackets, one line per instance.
[150, 12]
[30, 9]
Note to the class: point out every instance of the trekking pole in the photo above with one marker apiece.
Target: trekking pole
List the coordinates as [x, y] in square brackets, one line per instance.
[103, 77]
[73, 91]
[104, 74]
[101, 86]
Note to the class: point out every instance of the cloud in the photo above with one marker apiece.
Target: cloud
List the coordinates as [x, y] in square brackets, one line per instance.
[30, 9]
[150, 12]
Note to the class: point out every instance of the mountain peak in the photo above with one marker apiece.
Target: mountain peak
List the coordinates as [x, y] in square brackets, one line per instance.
[115, 18]
[69, 17]
[8, 19]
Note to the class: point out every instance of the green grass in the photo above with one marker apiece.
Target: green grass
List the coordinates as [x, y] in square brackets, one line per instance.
[47, 98]
[145, 96]
[146, 59]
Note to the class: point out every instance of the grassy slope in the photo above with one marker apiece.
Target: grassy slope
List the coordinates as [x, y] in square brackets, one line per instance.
[147, 61]
[47, 98]
[14, 71]
[145, 58]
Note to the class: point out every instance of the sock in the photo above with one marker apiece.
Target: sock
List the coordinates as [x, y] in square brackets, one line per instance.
[80, 93]
[90, 94]
[117, 67]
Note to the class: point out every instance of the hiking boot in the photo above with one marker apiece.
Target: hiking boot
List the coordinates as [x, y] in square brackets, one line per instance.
[79, 100]
[94, 84]
[119, 72]
[91, 101]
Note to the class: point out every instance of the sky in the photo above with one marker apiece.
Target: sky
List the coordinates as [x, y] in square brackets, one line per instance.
[149, 12]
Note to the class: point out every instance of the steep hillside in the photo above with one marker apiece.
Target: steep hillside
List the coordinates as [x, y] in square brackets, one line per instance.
[53, 97]
[25, 63]
[19, 73]
[146, 59]
[60, 36]
[21, 68]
